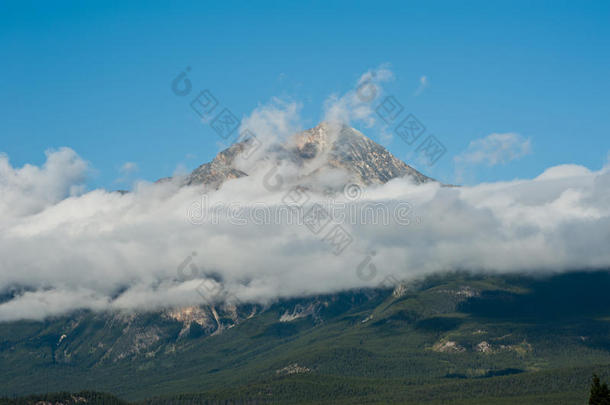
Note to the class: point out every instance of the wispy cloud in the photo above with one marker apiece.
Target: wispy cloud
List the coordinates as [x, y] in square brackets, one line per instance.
[358, 103]
[495, 149]
[423, 83]
[128, 168]
[126, 171]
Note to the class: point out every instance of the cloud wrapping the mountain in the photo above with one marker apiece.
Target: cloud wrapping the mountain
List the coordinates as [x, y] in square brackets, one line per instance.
[163, 245]
[105, 250]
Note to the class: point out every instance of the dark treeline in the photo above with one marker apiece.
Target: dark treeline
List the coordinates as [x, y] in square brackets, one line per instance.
[66, 398]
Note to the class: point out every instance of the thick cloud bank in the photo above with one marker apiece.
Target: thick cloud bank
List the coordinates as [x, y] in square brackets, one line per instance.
[104, 250]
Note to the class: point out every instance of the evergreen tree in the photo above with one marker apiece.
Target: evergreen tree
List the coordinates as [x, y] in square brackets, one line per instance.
[600, 394]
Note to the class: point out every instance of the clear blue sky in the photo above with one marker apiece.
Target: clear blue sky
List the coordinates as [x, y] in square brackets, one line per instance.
[95, 76]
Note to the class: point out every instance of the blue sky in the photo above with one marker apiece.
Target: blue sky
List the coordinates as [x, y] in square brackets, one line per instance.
[96, 77]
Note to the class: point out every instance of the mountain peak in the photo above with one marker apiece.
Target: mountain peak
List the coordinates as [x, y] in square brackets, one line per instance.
[327, 146]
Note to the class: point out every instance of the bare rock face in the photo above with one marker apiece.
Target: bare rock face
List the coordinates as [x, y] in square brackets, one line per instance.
[292, 369]
[300, 311]
[193, 314]
[448, 346]
[218, 170]
[400, 291]
[323, 148]
[483, 347]
[366, 161]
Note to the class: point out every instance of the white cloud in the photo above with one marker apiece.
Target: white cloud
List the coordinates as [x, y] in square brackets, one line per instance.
[564, 171]
[495, 149]
[30, 189]
[105, 250]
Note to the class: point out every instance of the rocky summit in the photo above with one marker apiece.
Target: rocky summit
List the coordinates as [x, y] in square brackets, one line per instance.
[314, 151]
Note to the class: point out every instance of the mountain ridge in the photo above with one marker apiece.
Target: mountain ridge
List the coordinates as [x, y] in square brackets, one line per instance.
[434, 340]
